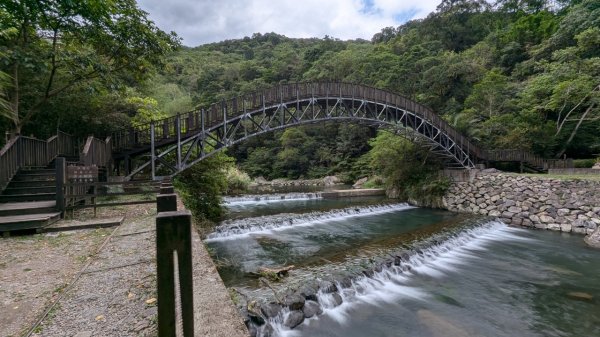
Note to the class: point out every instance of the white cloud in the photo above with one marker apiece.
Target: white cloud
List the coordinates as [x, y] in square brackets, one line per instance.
[205, 21]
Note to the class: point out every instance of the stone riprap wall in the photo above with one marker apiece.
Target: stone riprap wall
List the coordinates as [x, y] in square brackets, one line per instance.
[561, 205]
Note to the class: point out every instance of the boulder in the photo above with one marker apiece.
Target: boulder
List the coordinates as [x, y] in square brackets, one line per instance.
[360, 182]
[261, 180]
[327, 287]
[331, 180]
[294, 301]
[271, 309]
[593, 240]
[311, 308]
[337, 299]
[268, 331]
[294, 319]
[308, 292]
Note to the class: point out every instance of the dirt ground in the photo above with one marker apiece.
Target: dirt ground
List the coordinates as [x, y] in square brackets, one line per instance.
[35, 269]
[102, 282]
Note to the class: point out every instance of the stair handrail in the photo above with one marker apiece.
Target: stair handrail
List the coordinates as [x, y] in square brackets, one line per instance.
[96, 152]
[9, 161]
[22, 151]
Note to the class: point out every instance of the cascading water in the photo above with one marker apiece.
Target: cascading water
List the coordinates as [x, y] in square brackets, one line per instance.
[268, 198]
[396, 270]
[231, 230]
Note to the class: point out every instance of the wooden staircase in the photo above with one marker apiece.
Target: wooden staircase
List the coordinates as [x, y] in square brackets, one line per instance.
[29, 201]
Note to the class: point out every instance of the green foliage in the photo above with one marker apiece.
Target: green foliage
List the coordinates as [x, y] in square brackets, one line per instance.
[146, 110]
[72, 55]
[237, 181]
[584, 163]
[202, 186]
[408, 170]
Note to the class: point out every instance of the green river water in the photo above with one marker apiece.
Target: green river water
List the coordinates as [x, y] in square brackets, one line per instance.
[463, 276]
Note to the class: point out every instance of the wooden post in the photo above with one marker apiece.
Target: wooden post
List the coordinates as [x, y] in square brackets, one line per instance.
[61, 168]
[178, 130]
[166, 203]
[152, 151]
[173, 238]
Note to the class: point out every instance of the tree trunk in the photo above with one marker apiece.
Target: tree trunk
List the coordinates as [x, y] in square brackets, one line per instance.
[14, 106]
[574, 132]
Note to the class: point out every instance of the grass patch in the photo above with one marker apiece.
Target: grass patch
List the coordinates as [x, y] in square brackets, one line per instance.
[561, 176]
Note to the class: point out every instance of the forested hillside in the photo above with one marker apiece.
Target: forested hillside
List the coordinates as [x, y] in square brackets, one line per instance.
[516, 74]
[520, 74]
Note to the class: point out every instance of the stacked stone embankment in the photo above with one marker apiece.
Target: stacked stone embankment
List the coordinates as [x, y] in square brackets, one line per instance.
[545, 203]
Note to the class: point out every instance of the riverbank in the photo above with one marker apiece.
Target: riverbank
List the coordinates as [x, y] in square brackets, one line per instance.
[567, 205]
[102, 283]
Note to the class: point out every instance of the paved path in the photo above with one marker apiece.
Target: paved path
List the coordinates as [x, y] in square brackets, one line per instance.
[115, 293]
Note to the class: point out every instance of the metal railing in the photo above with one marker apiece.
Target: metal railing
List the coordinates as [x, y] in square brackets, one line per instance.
[166, 130]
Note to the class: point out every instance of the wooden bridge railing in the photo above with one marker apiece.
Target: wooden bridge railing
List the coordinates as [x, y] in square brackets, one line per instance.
[24, 151]
[96, 152]
[216, 113]
[194, 121]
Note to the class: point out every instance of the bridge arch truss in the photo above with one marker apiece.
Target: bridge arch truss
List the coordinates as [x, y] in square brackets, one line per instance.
[172, 145]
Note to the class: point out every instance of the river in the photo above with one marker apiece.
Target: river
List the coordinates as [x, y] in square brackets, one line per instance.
[458, 275]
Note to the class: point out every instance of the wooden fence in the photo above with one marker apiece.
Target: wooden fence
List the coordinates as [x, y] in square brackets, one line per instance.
[96, 152]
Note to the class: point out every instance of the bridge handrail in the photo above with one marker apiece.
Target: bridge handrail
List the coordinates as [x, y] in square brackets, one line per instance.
[22, 151]
[283, 93]
[96, 152]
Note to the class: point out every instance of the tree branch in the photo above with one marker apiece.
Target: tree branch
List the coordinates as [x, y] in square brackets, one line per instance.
[53, 71]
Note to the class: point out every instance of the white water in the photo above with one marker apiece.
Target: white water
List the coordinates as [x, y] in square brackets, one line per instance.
[236, 229]
[268, 198]
[395, 283]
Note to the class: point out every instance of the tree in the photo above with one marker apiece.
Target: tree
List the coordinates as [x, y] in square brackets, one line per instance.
[60, 45]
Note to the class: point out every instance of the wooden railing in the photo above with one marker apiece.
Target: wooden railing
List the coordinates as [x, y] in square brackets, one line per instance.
[96, 152]
[216, 113]
[194, 121]
[24, 151]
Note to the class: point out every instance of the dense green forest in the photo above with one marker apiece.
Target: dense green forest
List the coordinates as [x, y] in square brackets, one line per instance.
[513, 74]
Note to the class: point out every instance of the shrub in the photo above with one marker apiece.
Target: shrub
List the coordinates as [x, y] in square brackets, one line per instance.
[584, 163]
[237, 181]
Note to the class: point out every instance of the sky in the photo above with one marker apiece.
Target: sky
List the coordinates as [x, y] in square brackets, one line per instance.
[205, 21]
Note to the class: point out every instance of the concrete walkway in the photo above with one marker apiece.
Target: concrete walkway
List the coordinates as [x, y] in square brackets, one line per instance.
[115, 292]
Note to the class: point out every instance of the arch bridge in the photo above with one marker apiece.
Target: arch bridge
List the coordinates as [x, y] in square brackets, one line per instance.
[167, 147]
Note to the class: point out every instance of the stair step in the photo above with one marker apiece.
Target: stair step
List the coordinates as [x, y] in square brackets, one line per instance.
[29, 190]
[27, 197]
[34, 176]
[28, 221]
[32, 183]
[37, 171]
[23, 208]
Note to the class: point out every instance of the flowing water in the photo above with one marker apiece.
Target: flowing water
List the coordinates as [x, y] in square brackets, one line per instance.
[406, 271]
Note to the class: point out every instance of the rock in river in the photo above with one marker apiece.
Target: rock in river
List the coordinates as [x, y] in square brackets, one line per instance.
[294, 319]
[311, 308]
[271, 309]
[294, 302]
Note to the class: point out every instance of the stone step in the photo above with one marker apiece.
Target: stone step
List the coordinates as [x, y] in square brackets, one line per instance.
[27, 197]
[23, 208]
[29, 221]
[29, 190]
